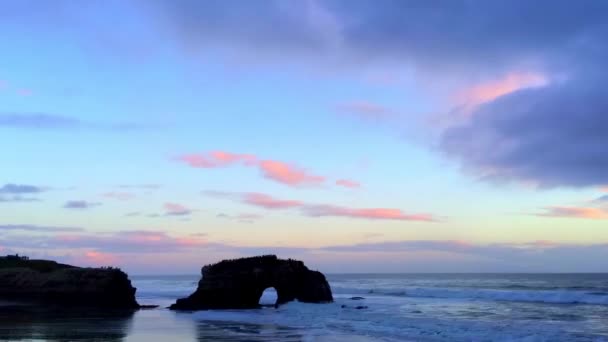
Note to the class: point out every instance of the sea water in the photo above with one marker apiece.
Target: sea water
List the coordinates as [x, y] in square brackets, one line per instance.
[398, 307]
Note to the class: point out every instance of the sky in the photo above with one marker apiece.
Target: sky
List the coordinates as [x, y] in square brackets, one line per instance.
[357, 136]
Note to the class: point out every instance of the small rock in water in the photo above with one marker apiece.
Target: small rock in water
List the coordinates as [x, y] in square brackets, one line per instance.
[361, 307]
[357, 298]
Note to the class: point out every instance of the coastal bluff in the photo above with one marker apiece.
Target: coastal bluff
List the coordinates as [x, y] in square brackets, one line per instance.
[239, 284]
[49, 282]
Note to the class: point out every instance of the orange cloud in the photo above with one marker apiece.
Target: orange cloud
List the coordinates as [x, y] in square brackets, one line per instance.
[366, 213]
[489, 91]
[268, 202]
[288, 174]
[575, 212]
[347, 183]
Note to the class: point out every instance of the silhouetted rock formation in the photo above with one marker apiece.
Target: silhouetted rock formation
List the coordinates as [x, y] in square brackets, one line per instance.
[50, 282]
[239, 284]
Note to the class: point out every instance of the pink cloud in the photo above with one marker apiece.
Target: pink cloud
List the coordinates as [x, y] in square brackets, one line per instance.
[575, 212]
[215, 159]
[176, 209]
[274, 170]
[365, 110]
[123, 196]
[347, 183]
[100, 259]
[365, 213]
[489, 91]
[288, 174]
[268, 202]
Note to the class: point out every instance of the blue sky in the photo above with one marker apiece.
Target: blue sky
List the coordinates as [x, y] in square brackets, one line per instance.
[362, 138]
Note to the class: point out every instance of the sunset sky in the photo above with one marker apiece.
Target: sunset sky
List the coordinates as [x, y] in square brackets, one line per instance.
[358, 136]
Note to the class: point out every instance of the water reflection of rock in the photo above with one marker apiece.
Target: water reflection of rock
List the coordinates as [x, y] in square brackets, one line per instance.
[25, 323]
[238, 331]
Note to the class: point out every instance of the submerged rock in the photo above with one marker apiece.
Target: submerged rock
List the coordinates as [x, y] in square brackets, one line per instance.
[357, 298]
[239, 284]
[46, 281]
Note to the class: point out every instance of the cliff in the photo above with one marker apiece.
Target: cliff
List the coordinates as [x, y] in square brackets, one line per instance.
[50, 282]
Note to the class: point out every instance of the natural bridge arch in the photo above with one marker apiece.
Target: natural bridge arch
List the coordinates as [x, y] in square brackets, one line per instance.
[239, 284]
[268, 297]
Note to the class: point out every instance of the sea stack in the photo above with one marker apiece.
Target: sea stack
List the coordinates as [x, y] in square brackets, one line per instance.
[49, 282]
[239, 284]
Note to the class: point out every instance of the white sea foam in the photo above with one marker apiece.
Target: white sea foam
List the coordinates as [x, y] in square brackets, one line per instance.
[539, 296]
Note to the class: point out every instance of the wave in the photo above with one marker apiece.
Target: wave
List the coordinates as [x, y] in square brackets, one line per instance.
[537, 296]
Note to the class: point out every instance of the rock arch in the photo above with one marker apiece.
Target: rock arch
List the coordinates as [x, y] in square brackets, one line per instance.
[239, 284]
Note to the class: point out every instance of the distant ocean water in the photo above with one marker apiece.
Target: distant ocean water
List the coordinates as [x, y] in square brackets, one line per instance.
[400, 307]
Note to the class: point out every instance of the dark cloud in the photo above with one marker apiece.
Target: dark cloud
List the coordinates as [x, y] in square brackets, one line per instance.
[79, 204]
[35, 228]
[20, 189]
[551, 136]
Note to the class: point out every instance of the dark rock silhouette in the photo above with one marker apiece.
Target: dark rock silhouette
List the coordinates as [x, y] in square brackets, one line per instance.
[22, 279]
[357, 298]
[239, 284]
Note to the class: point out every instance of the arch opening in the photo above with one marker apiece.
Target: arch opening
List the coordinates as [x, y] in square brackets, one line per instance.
[269, 297]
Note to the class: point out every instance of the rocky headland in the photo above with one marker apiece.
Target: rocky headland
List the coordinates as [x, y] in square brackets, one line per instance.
[239, 284]
[49, 282]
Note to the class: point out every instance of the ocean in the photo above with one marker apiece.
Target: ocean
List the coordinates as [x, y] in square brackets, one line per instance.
[397, 307]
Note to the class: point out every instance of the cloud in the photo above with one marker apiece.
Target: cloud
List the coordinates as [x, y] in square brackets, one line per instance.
[176, 209]
[320, 210]
[122, 196]
[575, 212]
[243, 218]
[365, 110]
[20, 189]
[518, 137]
[268, 202]
[43, 121]
[365, 213]
[140, 186]
[347, 183]
[128, 242]
[18, 198]
[80, 204]
[288, 174]
[491, 90]
[215, 159]
[602, 199]
[100, 259]
[537, 85]
[277, 171]
[35, 228]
